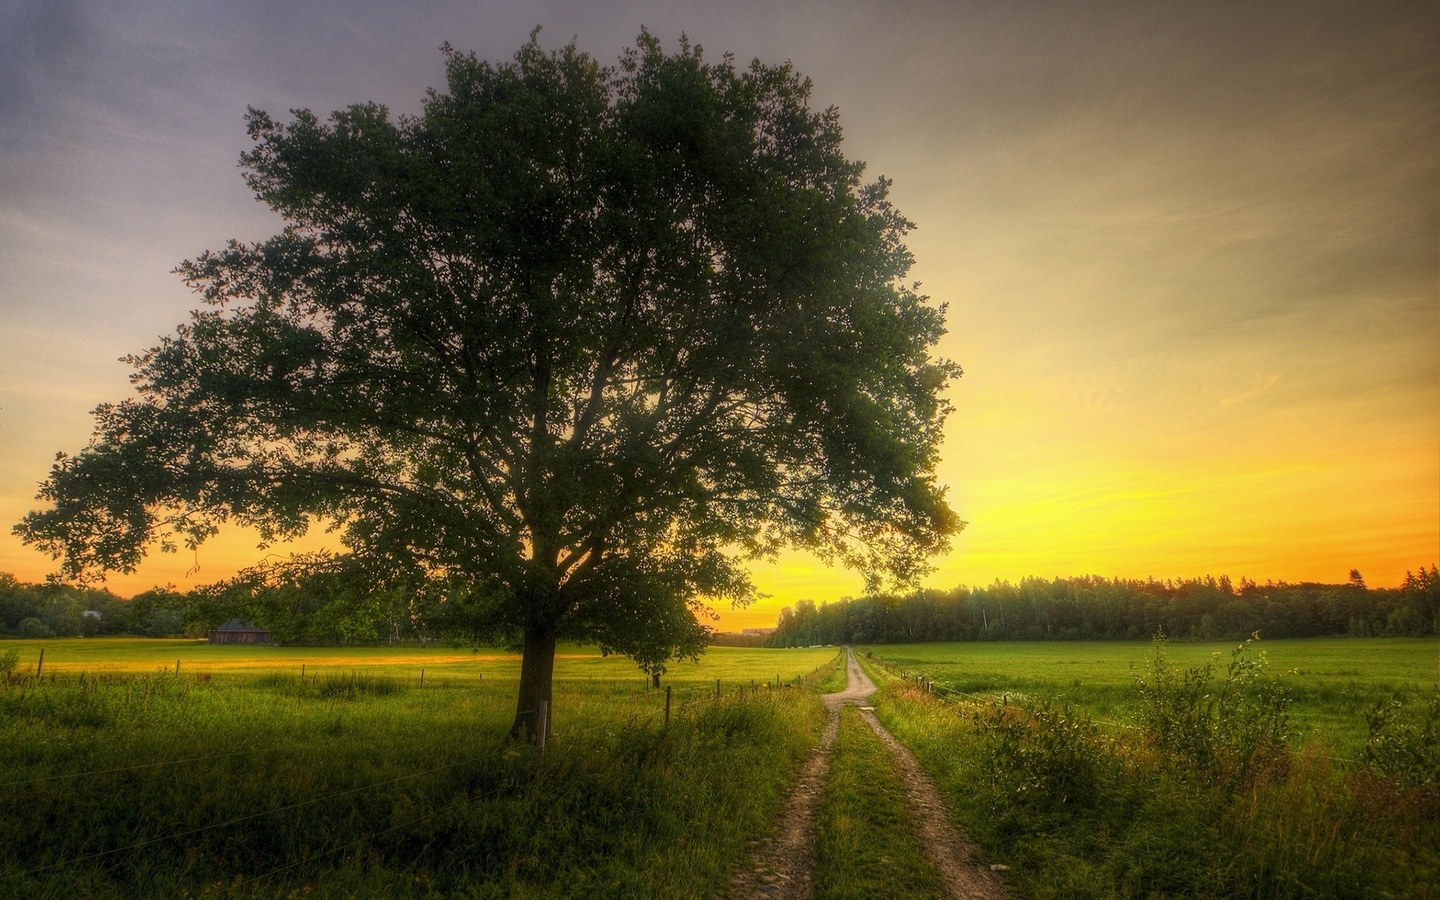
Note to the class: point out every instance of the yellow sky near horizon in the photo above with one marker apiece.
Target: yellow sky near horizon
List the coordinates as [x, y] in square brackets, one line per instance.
[1190, 252]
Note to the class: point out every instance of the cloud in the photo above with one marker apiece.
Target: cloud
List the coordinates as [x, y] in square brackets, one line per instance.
[1237, 399]
[38, 39]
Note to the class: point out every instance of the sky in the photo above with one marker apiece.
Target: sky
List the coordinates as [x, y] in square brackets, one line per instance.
[1189, 251]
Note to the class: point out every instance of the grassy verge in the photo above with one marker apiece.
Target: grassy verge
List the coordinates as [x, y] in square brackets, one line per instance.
[1201, 797]
[366, 783]
[865, 845]
[830, 677]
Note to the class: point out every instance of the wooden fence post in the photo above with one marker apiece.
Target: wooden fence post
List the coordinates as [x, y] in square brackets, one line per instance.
[667, 704]
[41, 664]
[717, 690]
[177, 668]
[422, 676]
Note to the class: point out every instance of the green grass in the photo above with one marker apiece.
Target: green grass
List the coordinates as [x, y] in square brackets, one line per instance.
[866, 845]
[238, 778]
[1081, 809]
[1331, 681]
[831, 678]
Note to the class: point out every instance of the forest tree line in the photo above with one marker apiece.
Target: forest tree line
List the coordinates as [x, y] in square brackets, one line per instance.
[1094, 608]
[331, 601]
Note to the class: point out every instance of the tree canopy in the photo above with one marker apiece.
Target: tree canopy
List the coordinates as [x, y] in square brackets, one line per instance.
[565, 350]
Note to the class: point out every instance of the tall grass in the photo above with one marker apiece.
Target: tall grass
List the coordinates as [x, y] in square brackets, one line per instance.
[1201, 795]
[364, 783]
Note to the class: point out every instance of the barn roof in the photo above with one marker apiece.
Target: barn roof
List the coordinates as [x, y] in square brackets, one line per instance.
[237, 625]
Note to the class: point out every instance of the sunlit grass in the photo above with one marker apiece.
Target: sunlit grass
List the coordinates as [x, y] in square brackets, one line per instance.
[733, 665]
[358, 780]
[1331, 681]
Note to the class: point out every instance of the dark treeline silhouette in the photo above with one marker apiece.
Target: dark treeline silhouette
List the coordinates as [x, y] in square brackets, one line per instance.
[326, 607]
[324, 603]
[1094, 608]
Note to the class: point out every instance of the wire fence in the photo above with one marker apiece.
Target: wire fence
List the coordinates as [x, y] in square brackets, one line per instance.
[84, 679]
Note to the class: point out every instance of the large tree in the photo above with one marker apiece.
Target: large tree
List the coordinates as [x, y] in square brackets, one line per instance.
[568, 347]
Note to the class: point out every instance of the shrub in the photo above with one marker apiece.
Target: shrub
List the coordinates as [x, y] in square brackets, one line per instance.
[1235, 726]
[1049, 759]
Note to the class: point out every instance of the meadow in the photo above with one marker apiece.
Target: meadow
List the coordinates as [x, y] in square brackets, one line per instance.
[238, 777]
[1331, 682]
[1096, 770]
[496, 670]
[385, 771]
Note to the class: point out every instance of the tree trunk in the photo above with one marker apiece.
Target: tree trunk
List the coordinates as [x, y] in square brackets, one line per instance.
[537, 672]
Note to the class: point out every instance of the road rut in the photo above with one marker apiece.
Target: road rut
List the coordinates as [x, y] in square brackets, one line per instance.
[783, 866]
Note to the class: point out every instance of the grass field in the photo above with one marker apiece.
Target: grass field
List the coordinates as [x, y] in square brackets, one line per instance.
[147, 655]
[1210, 807]
[1332, 682]
[239, 778]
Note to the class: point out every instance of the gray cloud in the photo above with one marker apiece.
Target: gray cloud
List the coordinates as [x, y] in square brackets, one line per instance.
[38, 43]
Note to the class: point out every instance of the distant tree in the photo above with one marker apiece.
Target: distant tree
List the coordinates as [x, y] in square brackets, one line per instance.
[1091, 607]
[34, 628]
[158, 612]
[569, 346]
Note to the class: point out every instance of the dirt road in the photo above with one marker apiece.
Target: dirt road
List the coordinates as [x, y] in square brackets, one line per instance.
[783, 866]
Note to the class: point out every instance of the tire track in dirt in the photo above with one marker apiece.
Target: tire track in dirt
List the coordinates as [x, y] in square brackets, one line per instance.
[948, 850]
[783, 866]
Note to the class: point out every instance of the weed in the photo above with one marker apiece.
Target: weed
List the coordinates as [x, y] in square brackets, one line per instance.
[1204, 798]
[356, 685]
[362, 783]
[1406, 749]
[1330, 681]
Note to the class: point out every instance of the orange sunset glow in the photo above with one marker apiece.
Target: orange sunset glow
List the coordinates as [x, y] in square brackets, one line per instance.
[1190, 253]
